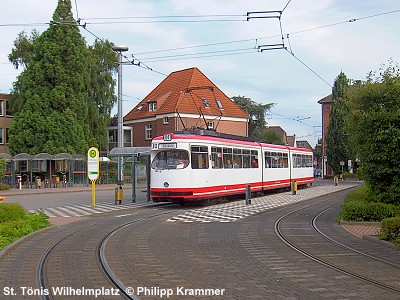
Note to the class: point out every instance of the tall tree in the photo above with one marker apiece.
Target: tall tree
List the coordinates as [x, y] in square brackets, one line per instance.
[271, 137]
[375, 123]
[256, 111]
[63, 98]
[338, 138]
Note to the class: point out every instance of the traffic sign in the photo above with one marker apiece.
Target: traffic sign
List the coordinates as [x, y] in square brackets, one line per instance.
[93, 164]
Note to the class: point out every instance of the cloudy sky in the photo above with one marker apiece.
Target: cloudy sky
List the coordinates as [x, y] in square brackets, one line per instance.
[322, 38]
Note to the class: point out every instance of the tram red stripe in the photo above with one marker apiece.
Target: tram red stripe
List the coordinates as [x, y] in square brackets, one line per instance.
[216, 191]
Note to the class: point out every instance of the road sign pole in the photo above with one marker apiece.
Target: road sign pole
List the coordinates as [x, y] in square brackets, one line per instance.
[93, 193]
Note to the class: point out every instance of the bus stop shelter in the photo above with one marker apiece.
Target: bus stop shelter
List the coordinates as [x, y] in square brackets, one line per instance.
[135, 153]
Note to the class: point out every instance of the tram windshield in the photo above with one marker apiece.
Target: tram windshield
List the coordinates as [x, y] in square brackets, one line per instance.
[170, 159]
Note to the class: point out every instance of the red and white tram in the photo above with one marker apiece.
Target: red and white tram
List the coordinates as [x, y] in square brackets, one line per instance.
[198, 165]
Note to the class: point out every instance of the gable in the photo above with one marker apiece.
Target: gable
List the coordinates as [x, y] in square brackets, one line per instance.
[186, 91]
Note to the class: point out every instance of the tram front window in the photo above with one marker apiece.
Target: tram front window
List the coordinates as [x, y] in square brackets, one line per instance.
[171, 159]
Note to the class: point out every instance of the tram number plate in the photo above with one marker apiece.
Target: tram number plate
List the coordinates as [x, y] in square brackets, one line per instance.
[167, 146]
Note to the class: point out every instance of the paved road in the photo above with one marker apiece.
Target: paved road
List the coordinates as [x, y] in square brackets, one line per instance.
[55, 197]
[235, 254]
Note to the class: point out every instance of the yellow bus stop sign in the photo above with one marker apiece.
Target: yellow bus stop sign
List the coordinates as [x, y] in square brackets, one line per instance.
[93, 167]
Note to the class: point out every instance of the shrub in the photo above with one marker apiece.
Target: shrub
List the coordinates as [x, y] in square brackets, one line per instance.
[357, 208]
[390, 230]
[15, 223]
[368, 211]
[11, 211]
[4, 187]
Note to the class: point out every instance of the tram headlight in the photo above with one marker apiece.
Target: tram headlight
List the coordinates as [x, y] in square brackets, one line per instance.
[166, 184]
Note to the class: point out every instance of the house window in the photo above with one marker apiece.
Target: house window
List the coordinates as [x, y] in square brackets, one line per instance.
[147, 133]
[1, 135]
[7, 136]
[8, 109]
[219, 104]
[205, 102]
[152, 106]
[166, 120]
[1, 107]
[210, 125]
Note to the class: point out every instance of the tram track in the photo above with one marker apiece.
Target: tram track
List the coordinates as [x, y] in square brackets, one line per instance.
[322, 256]
[44, 288]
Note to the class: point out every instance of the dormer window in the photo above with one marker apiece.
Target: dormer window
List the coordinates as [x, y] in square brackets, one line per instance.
[205, 102]
[220, 106]
[152, 106]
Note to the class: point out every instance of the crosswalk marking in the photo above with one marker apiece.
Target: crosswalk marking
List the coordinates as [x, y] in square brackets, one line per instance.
[82, 210]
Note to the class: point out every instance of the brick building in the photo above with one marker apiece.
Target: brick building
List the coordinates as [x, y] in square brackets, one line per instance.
[326, 104]
[185, 99]
[5, 122]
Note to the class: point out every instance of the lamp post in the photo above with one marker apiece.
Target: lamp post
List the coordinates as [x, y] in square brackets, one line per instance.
[120, 132]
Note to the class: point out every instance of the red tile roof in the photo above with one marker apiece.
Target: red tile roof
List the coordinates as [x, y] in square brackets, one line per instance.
[184, 91]
[325, 99]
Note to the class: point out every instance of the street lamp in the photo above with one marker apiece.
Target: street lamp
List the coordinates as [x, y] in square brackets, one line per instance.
[120, 133]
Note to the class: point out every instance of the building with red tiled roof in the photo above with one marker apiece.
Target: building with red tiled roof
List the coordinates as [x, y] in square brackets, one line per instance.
[186, 99]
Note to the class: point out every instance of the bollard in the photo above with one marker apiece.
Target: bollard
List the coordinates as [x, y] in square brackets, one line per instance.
[248, 194]
[118, 195]
[294, 187]
[336, 180]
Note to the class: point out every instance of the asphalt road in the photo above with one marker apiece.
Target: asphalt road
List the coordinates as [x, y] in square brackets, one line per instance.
[55, 197]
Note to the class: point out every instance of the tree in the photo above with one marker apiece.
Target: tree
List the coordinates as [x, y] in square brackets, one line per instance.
[338, 138]
[62, 100]
[256, 111]
[375, 123]
[270, 136]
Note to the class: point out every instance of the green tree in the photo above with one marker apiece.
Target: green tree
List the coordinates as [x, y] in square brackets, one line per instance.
[256, 111]
[62, 100]
[338, 138]
[375, 123]
[270, 136]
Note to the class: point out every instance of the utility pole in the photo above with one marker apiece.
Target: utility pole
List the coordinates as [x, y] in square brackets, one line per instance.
[120, 132]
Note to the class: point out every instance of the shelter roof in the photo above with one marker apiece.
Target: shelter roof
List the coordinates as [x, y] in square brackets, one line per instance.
[130, 151]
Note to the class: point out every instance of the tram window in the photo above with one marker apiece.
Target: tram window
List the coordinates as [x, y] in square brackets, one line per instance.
[227, 158]
[216, 157]
[302, 161]
[171, 159]
[254, 158]
[285, 161]
[199, 157]
[237, 158]
[246, 158]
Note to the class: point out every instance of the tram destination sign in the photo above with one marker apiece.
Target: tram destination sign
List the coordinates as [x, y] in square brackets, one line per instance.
[93, 164]
[167, 146]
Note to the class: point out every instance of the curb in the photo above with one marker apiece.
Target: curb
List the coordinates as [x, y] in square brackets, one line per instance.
[5, 251]
[375, 239]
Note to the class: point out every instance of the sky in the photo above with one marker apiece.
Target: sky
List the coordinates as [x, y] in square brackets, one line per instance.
[232, 43]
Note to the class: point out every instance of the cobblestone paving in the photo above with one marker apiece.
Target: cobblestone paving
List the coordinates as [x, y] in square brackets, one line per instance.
[232, 211]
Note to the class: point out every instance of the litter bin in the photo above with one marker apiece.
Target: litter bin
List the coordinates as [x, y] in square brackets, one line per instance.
[118, 195]
[38, 182]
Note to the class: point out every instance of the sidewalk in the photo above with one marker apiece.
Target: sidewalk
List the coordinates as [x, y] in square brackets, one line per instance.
[362, 229]
[59, 189]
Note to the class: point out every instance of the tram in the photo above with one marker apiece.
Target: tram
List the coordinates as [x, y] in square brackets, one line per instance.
[198, 165]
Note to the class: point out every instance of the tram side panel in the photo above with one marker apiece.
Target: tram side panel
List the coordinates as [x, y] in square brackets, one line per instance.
[302, 166]
[276, 164]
